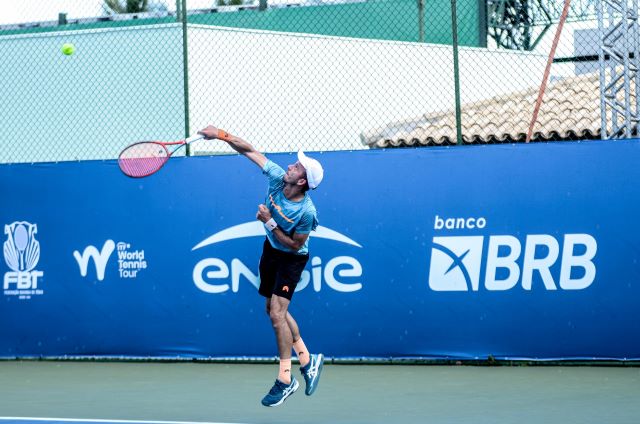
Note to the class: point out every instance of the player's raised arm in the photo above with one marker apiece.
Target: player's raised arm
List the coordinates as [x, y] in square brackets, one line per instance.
[239, 145]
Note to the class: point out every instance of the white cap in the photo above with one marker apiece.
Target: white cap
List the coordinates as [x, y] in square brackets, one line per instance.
[313, 168]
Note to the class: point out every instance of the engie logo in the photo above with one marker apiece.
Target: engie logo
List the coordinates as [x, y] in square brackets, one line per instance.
[21, 253]
[211, 275]
[456, 261]
[130, 261]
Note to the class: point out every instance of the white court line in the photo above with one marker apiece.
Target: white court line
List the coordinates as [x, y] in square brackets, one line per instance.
[106, 421]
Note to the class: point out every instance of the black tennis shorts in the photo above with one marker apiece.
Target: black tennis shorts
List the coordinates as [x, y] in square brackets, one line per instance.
[280, 271]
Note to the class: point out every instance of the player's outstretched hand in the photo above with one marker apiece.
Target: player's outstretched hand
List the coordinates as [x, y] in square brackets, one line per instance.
[212, 132]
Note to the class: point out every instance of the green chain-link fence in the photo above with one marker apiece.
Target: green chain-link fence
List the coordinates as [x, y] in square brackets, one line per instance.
[318, 75]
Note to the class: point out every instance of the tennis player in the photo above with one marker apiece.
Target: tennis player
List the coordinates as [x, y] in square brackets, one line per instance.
[289, 216]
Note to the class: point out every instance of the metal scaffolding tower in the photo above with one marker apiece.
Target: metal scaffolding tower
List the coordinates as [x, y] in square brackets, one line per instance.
[619, 68]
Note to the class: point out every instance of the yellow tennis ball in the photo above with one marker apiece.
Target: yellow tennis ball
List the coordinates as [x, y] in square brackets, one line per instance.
[68, 49]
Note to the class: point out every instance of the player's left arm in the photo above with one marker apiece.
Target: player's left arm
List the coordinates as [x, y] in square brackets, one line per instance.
[293, 242]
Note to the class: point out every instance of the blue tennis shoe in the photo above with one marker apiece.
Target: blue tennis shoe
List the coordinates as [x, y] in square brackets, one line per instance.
[311, 373]
[280, 392]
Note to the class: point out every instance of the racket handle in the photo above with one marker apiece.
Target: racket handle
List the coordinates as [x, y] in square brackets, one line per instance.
[194, 138]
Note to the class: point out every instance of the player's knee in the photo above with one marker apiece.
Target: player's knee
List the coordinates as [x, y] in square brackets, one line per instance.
[277, 316]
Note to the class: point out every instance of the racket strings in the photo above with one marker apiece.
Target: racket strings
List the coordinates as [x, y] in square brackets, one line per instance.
[142, 159]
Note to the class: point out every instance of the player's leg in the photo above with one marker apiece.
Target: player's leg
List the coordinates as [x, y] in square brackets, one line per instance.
[284, 338]
[285, 384]
[286, 330]
[298, 345]
[279, 287]
[269, 263]
[290, 267]
[295, 332]
[310, 364]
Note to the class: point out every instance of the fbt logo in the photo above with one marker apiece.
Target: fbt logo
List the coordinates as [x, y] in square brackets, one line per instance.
[456, 261]
[340, 273]
[21, 254]
[130, 262]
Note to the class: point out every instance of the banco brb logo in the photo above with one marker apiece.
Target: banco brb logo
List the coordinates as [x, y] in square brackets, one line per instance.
[457, 261]
[211, 275]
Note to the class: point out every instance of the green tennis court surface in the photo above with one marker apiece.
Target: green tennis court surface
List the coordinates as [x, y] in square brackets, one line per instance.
[230, 393]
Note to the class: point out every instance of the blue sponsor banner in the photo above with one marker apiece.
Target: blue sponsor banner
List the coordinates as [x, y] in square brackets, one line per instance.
[514, 251]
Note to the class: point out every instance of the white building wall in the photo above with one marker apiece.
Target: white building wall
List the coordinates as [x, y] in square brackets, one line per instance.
[285, 91]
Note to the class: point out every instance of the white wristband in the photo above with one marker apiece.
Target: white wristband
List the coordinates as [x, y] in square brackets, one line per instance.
[271, 224]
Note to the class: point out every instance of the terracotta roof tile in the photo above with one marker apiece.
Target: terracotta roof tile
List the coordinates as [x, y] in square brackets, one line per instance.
[570, 111]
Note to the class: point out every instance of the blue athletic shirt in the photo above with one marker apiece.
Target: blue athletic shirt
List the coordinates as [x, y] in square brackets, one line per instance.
[292, 217]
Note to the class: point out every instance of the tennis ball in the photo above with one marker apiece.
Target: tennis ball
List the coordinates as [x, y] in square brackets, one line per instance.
[68, 49]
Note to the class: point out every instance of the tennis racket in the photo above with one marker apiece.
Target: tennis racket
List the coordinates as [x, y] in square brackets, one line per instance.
[144, 158]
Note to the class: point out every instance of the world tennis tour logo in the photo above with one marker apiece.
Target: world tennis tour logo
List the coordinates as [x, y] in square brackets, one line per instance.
[457, 262]
[21, 254]
[340, 273]
[130, 261]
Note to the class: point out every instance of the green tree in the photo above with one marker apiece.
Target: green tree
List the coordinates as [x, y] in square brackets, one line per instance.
[129, 6]
[231, 2]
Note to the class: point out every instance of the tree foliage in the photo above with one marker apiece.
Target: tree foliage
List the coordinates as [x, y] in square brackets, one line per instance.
[129, 6]
[231, 2]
